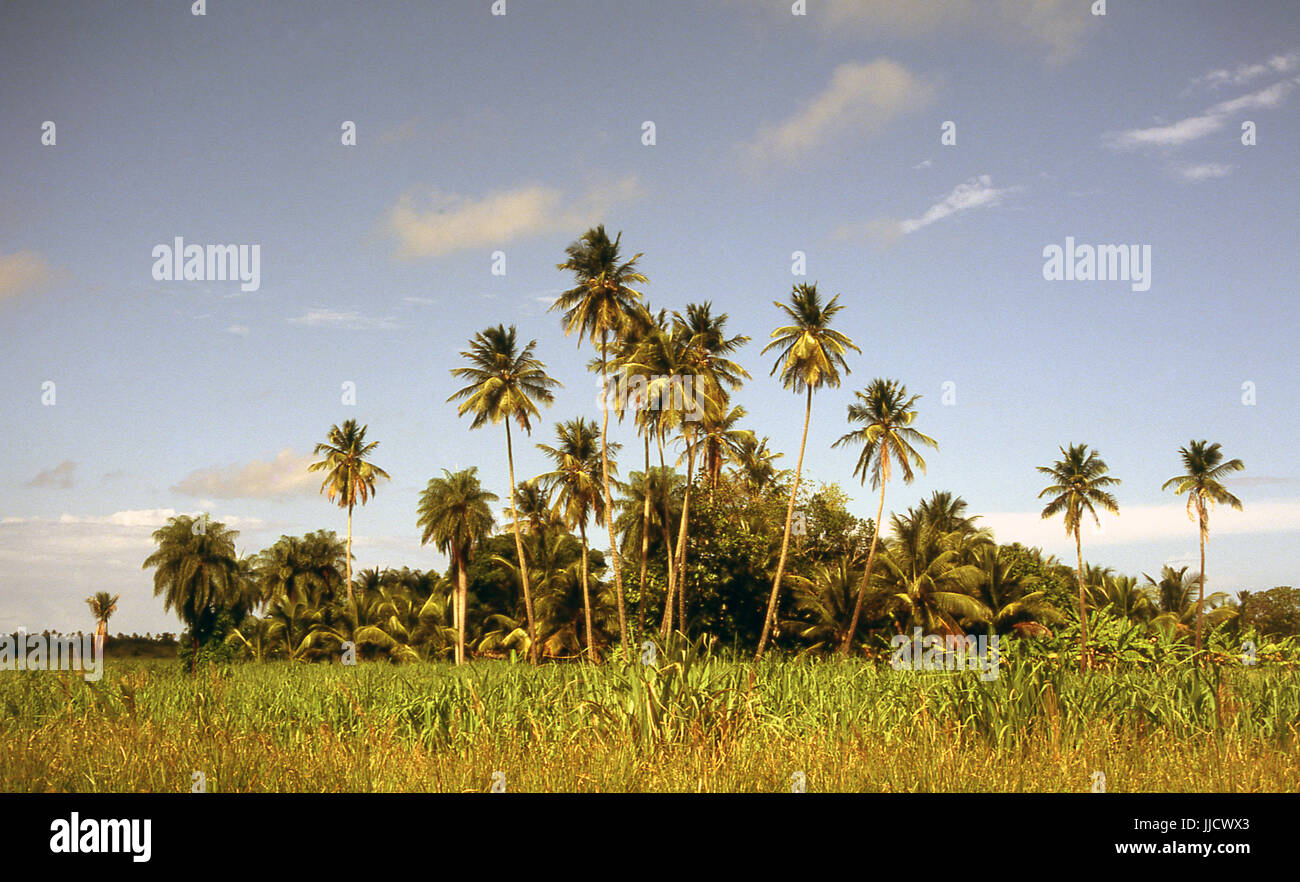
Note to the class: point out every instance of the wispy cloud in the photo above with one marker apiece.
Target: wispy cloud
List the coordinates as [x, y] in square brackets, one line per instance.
[859, 97]
[976, 192]
[22, 272]
[286, 475]
[1244, 74]
[320, 317]
[1203, 171]
[61, 477]
[447, 223]
[1193, 128]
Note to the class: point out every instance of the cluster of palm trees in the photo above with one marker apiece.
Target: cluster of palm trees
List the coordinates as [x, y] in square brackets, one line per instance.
[674, 375]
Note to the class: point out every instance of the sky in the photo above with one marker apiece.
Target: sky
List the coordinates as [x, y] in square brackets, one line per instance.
[923, 159]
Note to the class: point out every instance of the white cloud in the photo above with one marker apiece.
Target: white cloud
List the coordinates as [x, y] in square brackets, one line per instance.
[21, 272]
[1204, 171]
[319, 317]
[1146, 523]
[1194, 128]
[238, 330]
[859, 96]
[976, 192]
[61, 477]
[284, 476]
[1246, 73]
[449, 223]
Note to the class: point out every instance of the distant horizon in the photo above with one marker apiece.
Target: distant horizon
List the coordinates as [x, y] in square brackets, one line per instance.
[394, 178]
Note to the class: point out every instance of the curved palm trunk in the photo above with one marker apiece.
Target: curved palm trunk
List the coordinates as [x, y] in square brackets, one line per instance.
[351, 601]
[645, 541]
[1083, 611]
[666, 625]
[866, 577]
[533, 648]
[681, 539]
[586, 593]
[785, 539]
[609, 503]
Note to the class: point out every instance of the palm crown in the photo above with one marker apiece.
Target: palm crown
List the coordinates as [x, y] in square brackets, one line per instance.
[503, 382]
[811, 354]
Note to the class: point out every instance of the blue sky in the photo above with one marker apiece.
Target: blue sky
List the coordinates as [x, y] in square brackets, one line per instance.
[774, 133]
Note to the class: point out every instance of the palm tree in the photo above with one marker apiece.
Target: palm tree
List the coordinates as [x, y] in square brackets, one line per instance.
[455, 515]
[199, 575]
[576, 482]
[811, 356]
[350, 477]
[755, 463]
[1079, 482]
[1204, 467]
[646, 509]
[597, 307]
[722, 441]
[505, 385]
[308, 568]
[886, 413]
[1174, 598]
[102, 606]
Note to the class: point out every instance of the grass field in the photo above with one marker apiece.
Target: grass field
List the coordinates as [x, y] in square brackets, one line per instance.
[693, 723]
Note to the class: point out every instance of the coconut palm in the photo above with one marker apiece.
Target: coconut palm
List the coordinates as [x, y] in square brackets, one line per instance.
[349, 477]
[598, 308]
[505, 385]
[931, 588]
[810, 356]
[885, 412]
[754, 463]
[1178, 604]
[576, 483]
[199, 575]
[1202, 482]
[1125, 596]
[454, 514]
[722, 441]
[1003, 593]
[102, 606]
[646, 510]
[308, 568]
[1079, 481]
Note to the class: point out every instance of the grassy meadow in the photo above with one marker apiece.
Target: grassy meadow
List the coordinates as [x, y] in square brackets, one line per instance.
[691, 723]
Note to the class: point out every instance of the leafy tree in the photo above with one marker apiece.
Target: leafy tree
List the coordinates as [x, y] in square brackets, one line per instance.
[1275, 612]
[349, 476]
[1079, 482]
[810, 356]
[1201, 480]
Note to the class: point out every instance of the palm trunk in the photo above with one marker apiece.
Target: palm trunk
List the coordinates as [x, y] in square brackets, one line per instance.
[351, 601]
[681, 538]
[645, 541]
[609, 504]
[458, 605]
[533, 648]
[666, 625]
[785, 539]
[586, 594]
[1200, 605]
[866, 577]
[1083, 610]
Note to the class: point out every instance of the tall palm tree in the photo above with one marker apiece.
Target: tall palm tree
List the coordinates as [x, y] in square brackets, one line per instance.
[576, 481]
[199, 575]
[455, 514]
[349, 476]
[1201, 480]
[504, 385]
[811, 355]
[596, 308]
[885, 412]
[102, 606]
[1079, 481]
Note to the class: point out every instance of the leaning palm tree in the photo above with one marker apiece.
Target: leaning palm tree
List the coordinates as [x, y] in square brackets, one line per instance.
[1201, 482]
[349, 476]
[455, 515]
[885, 412]
[576, 481]
[1079, 482]
[505, 385]
[102, 606]
[596, 308]
[811, 356]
